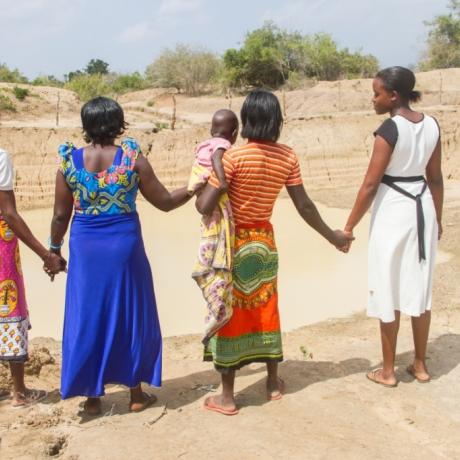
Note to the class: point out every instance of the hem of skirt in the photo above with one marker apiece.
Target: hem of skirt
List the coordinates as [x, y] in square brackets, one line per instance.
[384, 318]
[15, 359]
[100, 394]
[223, 368]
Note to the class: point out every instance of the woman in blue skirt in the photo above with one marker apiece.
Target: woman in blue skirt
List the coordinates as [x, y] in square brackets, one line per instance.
[111, 329]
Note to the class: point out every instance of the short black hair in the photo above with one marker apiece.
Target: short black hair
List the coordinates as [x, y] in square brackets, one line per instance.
[401, 80]
[103, 120]
[261, 116]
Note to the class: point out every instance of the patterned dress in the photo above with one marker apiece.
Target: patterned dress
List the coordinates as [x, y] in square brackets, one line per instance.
[14, 315]
[212, 270]
[111, 328]
[256, 173]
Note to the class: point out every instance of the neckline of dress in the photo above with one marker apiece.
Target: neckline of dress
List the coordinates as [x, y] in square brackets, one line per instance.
[102, 171]
[410, 121]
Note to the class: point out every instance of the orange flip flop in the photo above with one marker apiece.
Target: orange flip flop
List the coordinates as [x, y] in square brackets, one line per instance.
[209, 405]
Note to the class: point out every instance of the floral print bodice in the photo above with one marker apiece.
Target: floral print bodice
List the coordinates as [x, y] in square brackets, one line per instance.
[111, 191]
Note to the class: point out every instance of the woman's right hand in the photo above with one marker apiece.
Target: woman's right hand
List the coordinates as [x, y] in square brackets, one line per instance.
[440, 230]
[53, 264]
[342, 240]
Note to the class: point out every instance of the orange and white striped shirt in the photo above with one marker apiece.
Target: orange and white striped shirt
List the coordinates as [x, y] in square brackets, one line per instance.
[256, 173]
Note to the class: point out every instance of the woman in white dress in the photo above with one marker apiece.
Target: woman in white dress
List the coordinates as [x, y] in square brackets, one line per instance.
[404, 180]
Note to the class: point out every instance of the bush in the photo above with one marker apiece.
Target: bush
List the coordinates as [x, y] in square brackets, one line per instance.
[89, 86]
[11, 76]
[20, 93]
[47, 80]
[127, 82]
[6, 104]
[185, 68]
[444, 40]
[270, 56]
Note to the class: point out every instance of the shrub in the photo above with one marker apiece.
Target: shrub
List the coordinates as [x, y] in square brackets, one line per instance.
[6, 104]
[89, 86]
[47, 80]
[123, 83]
[185, 68]
[11, 76]
[20, 93]
[444, 40]
[270, 56]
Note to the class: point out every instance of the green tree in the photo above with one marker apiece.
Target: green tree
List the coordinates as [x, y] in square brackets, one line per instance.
[11, 76]
[185, 68]
[444, 40]
[97, 66]
[270, 56]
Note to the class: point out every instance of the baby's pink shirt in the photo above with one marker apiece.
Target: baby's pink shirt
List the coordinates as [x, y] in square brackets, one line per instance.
[206, 149]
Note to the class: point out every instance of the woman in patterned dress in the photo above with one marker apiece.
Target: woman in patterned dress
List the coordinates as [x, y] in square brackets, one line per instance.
[111, 329]
[14, 314]
[256, 173]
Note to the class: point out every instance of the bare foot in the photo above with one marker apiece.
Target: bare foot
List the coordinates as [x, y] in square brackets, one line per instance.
[139, 402]
[378, 376]
[28, 398]
[275, 389]
[92, 406]
[221, 404]
[419, 371]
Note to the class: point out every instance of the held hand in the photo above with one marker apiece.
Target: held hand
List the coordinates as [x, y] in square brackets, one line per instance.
[53, 264]
[342, 240]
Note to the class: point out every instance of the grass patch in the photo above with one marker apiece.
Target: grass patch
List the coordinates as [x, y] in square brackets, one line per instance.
[20, 93]
[6, 105]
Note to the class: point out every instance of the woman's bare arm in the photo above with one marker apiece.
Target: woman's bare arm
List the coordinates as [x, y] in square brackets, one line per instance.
[435, 183]
[155, 192]
[17, 224]
[381, 156]
[63, 205]
[310, 214]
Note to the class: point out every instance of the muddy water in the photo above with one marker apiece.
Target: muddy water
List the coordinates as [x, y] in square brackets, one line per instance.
[316, 282]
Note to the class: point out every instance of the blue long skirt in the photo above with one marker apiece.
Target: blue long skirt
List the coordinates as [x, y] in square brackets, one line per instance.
[111, 328]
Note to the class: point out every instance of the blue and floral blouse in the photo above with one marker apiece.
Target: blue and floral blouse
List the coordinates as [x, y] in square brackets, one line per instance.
[111, 191]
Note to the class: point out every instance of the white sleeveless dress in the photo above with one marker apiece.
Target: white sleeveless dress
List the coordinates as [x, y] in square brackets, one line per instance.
[397, 279]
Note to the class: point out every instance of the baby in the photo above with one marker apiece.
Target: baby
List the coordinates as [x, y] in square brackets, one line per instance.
[213, 268]
[224, 131]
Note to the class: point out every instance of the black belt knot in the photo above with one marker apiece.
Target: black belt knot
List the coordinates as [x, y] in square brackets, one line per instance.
[390, 181]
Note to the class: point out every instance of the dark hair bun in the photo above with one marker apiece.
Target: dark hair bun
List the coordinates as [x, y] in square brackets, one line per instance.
[415, 96]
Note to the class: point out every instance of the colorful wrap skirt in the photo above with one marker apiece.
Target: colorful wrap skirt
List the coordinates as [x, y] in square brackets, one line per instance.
[111, 328]
[253, 333]
[14, 316]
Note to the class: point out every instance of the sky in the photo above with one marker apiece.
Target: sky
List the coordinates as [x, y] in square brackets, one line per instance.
[43, 37]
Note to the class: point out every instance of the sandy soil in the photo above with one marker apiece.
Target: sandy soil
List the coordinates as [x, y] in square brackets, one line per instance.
[330, 410]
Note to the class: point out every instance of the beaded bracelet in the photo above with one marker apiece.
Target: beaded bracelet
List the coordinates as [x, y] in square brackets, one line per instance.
[55, 246]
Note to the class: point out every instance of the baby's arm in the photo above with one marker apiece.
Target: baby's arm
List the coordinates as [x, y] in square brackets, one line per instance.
[218, 168]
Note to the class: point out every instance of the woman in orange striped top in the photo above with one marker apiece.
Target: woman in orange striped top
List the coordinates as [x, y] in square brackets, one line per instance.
[256, 173]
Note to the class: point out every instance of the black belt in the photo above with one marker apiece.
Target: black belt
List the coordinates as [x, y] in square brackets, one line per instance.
[390, 181]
